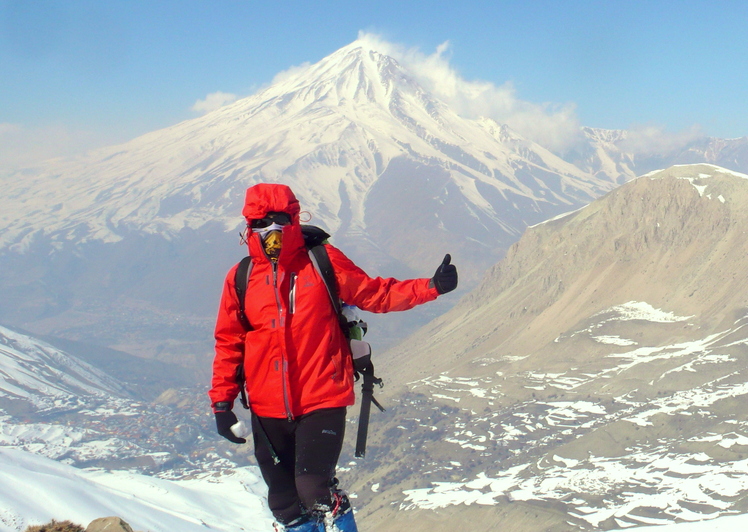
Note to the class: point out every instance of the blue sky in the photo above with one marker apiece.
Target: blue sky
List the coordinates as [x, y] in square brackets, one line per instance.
[76, 74]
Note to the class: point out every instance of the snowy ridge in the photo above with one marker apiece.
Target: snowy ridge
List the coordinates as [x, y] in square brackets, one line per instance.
[37, 372]
[714, 168]
[701, 176]
[225, 502]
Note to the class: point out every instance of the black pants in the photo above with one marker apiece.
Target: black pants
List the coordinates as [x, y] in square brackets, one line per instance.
[308, 448]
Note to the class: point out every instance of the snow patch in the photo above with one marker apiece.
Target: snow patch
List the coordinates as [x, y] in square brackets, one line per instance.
[227, 502]
[638, 310]
[613, 340]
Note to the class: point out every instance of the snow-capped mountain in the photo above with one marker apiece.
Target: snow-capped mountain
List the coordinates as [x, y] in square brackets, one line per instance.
[620, 155]
[595, 378]
[396, 175]
[337, 132]
[36, 372]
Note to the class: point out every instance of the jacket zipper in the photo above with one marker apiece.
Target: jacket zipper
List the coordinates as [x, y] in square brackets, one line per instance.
[292, 294]
[284, 362]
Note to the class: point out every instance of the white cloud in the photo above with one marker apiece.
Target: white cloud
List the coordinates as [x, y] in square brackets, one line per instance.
[654, 139]
[552, 125]
[289, 73]
[213, 101]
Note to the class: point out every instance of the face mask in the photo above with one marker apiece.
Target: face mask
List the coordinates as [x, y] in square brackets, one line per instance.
[272, 239]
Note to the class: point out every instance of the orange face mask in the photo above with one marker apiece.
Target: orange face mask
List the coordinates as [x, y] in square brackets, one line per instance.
[273, 242]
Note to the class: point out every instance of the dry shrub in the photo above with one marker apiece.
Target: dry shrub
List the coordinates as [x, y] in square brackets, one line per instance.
[56, 526]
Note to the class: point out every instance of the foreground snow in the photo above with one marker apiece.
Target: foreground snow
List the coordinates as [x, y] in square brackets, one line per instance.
[35, 489]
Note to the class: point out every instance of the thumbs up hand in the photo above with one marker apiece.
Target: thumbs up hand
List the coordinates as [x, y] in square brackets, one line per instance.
[445, 278]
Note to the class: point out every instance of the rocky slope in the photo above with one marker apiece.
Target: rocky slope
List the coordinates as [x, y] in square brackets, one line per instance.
[592, 381]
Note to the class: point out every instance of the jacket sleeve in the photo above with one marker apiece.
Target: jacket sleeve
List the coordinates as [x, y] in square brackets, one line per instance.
[229, 336]
[355, 287]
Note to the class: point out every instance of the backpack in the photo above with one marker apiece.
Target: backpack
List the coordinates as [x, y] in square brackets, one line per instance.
[352, 326]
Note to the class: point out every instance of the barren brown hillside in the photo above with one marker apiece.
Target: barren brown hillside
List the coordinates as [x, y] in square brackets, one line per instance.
[608, 339]
[660, 238]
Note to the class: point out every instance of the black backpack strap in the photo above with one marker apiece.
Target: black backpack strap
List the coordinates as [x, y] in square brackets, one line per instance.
[241, 280]
[314, 236]
[321, 261]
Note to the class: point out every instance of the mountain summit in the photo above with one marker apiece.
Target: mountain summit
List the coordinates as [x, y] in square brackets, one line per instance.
[349, 134]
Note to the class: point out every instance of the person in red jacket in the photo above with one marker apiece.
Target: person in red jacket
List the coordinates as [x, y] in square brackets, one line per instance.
[297, 361]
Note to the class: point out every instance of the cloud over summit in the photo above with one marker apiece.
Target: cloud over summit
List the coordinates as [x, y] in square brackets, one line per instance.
[213, 101]
[554, 126]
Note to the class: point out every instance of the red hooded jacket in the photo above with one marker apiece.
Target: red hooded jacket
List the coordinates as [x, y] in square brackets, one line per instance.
[296, 358]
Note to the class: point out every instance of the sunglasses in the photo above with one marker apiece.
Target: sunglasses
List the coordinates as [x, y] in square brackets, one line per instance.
[280, 218]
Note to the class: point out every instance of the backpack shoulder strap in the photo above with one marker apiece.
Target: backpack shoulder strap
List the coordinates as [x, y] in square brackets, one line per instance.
[321, 262]
[241, 280]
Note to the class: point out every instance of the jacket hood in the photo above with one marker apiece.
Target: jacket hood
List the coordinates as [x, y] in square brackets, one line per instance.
[266, 197]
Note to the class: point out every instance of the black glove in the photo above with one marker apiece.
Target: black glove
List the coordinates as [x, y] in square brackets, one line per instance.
[225, 419]
[445, 278]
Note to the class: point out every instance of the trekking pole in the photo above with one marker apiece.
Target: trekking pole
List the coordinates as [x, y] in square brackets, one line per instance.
[367, 397]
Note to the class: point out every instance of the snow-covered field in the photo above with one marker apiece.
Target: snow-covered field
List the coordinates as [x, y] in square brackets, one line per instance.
[35, 489]
[734, 523]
